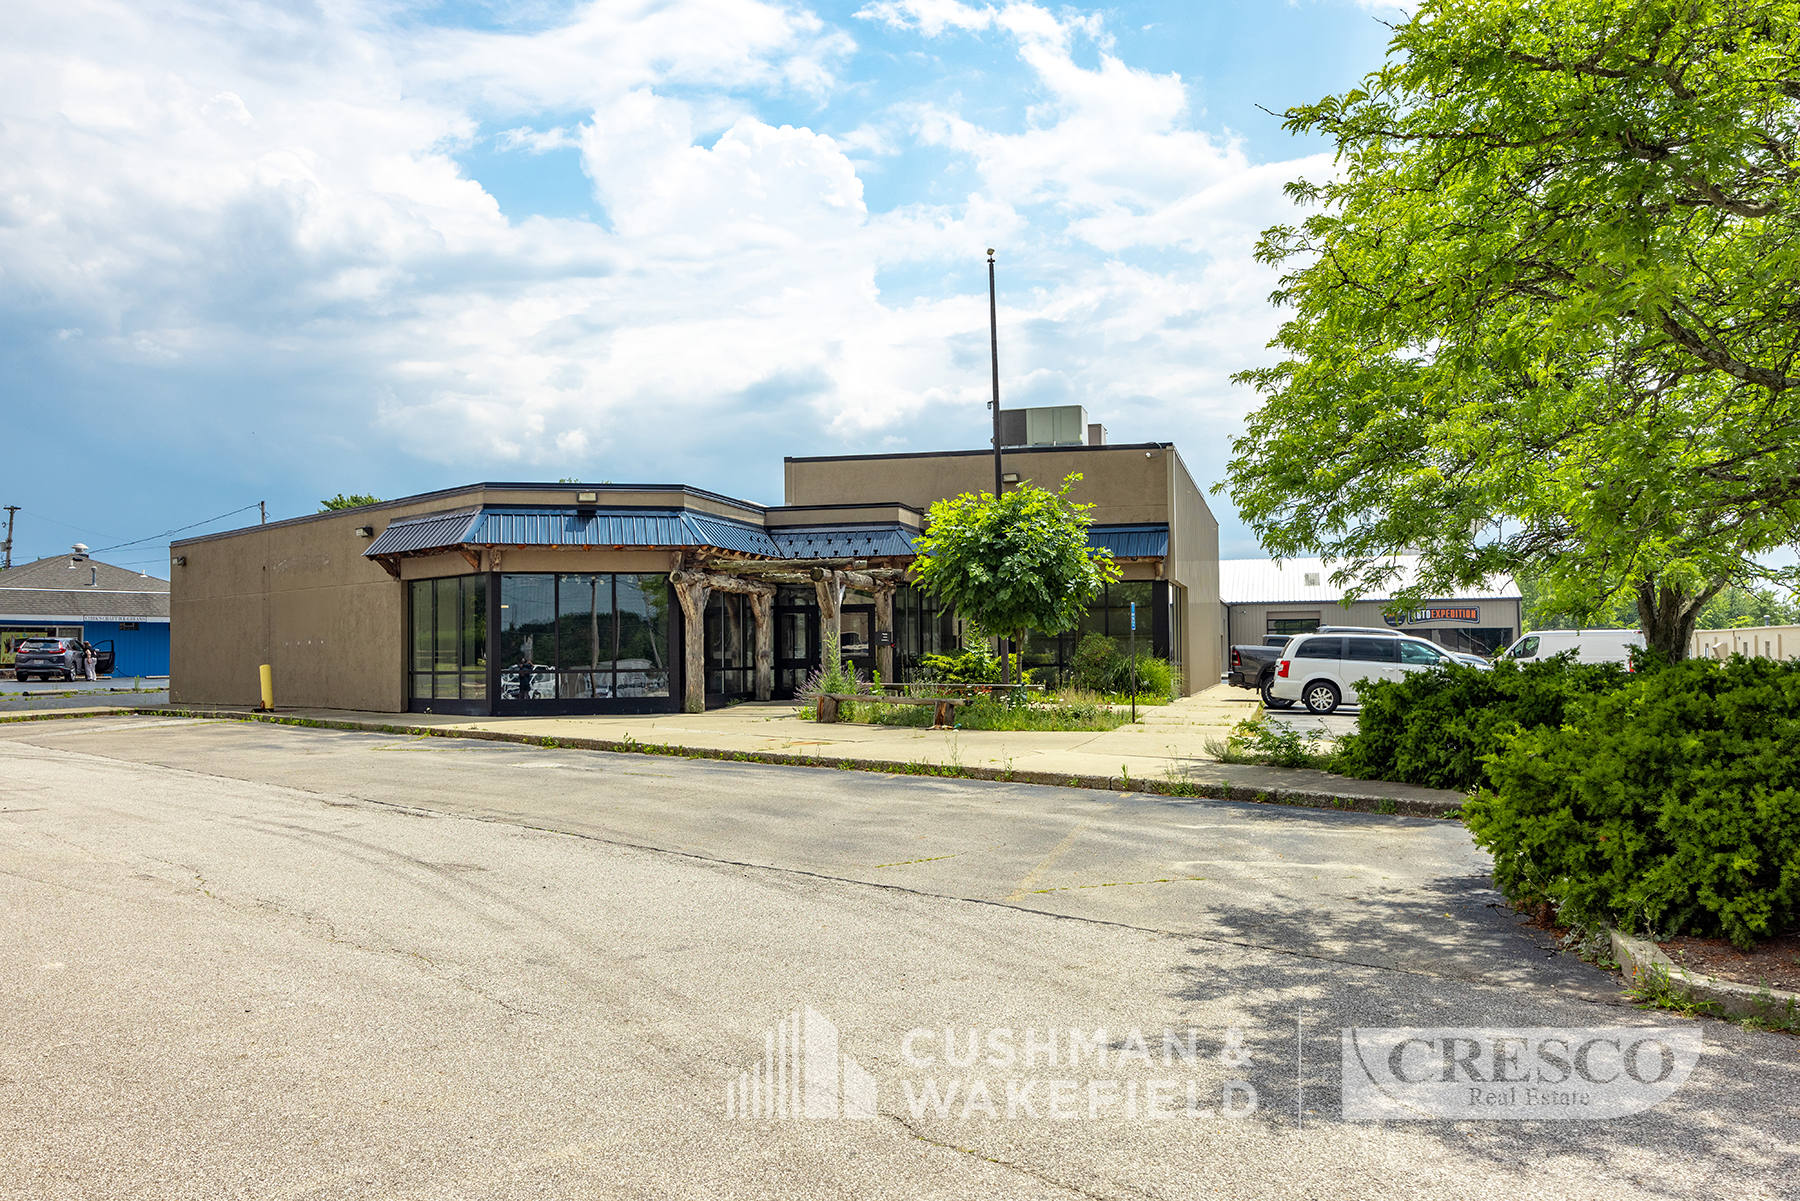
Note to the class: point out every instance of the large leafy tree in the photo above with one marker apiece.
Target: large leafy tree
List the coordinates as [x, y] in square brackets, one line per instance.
[1014, 563]
[1546, 314]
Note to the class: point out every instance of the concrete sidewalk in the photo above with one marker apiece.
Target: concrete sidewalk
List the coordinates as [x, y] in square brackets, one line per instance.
[1165, 751]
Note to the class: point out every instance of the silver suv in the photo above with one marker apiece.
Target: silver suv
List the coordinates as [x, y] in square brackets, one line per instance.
[1322, 670]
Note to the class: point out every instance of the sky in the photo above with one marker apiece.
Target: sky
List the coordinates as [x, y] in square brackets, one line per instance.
[276, 251]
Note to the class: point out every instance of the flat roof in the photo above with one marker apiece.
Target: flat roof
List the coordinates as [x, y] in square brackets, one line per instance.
[986, 454]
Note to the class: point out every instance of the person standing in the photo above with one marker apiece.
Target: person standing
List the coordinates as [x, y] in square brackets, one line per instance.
[90, 658]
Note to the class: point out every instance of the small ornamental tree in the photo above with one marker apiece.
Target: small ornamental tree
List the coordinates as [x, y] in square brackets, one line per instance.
[355, 500]
[1018, 562]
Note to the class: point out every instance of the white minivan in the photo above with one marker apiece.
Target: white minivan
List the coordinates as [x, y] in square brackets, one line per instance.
[1322, 670]
[1590, 646]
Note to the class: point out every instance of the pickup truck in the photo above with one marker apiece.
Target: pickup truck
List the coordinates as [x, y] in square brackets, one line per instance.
[1253, 666]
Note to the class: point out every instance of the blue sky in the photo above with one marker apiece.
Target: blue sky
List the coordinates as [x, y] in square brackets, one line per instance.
[277, 251]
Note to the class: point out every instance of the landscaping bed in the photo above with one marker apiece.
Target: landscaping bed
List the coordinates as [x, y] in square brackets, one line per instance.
[1772, 964]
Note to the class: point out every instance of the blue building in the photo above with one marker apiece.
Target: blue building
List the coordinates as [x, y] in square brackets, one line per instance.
[74, 596]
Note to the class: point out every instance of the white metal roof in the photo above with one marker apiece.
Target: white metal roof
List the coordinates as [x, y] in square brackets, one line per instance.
[1308, 581]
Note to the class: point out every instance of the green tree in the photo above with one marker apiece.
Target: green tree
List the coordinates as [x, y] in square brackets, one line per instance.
[1544, 317]
[355, 500]
[1020, 562]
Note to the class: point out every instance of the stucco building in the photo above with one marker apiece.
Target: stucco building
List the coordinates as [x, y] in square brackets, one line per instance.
[580, 598]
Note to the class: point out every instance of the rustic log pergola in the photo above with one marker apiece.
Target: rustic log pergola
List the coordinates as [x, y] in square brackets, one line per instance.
[757, 580]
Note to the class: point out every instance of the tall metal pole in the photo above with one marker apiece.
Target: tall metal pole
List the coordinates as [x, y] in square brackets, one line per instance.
[10, 510]
[994, 346]
[999, 477]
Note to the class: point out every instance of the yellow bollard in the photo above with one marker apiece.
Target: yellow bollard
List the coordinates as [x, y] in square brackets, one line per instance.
[268, 688]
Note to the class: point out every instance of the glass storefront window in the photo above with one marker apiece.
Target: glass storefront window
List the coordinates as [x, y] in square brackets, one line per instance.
[584, 636]
[448, 649]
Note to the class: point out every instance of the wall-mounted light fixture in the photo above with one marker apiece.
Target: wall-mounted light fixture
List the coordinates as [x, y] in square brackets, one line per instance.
[179, 561]
[365, 531]
[587, 498]
[1011, 477]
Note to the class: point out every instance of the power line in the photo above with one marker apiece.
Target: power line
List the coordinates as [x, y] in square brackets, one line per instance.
[176, 530]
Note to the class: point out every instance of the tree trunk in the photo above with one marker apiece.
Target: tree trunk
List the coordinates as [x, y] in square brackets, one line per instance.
[1668, 614]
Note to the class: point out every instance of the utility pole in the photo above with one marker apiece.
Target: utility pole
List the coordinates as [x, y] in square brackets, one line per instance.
[6, 547]
[999, 476]
[262, 506]
[994, 346]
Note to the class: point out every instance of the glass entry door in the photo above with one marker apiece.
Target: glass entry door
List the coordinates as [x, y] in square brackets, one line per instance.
[796, 648]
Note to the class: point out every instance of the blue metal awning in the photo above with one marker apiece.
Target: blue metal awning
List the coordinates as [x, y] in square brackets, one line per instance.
[671, 528]
[845, 542]
[562, 526]
[431, 531]
[1131, 541]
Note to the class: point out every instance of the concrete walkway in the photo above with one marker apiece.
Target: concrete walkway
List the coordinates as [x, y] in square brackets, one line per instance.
[1165, 751]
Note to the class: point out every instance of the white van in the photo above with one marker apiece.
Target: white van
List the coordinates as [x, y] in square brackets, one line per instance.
[1322, 671]
[1590, 646]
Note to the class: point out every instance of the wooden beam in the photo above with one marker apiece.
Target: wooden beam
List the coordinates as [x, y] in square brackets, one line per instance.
[722, 583]
[473, 555]
[389, 562]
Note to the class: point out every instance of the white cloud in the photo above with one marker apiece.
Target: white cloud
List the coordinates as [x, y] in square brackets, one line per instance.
[202, 194]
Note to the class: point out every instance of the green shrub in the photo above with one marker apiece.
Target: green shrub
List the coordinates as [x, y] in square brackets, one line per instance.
[1436, 727]
[1095, 660]
[978, 664]
[1672, 802]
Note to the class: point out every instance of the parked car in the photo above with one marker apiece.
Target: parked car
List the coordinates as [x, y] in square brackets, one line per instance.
[1590, 646]
[1321, 671]
[1254, 666]
[48, 659]
[1470, 660]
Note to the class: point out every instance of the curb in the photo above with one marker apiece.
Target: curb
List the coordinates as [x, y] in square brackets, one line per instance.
[1168, 788]
[1643, 963]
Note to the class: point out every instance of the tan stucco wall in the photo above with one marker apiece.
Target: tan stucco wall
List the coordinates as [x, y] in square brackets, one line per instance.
[1194, 564]
[1129, 486]
[300, 597]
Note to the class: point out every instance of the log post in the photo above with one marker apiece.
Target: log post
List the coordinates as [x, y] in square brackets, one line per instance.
[830, 591]
[692, 590]
[884, 624]
[762, 608]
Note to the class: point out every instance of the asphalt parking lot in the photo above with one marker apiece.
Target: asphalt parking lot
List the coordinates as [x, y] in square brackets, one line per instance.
[249, 960]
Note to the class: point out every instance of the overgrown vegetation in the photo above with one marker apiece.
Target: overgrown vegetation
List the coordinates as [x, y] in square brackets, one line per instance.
[1436, 728]
[1256, 742]
[1098, 666]
[1007, 711]
[1669, 804]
